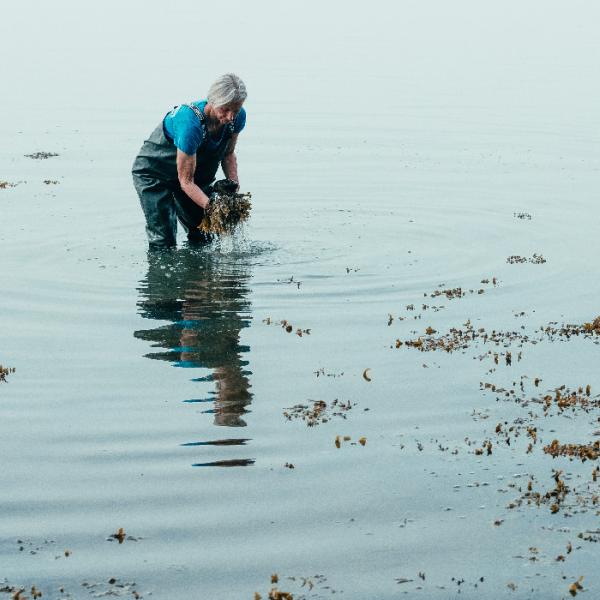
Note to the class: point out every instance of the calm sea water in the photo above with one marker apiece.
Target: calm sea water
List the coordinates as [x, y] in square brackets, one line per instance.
[393, 151]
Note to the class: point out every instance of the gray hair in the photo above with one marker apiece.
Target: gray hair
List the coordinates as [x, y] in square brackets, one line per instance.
[226, 89]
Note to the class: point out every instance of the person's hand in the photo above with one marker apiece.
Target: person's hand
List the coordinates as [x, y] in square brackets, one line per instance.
[227, 186]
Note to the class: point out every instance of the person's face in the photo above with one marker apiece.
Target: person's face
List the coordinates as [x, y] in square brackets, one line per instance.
[228, 112]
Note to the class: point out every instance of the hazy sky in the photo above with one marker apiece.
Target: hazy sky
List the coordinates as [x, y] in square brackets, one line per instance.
[379, 55]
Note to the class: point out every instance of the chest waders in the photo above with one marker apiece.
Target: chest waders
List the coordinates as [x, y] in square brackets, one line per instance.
[157, 184]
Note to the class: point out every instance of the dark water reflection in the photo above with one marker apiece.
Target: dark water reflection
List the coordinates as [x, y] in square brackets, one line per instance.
[204, 298]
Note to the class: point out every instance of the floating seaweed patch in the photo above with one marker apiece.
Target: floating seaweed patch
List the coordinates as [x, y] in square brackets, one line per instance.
[20, 593]
[318, 412]
[582, 451]
[593, 327]
[458, 292]
[5, 371]
[303, 585]
[536, 259]
[322, 373]
[346, 438]
[590, 536]
[486, 447]
[576, 587]
[121, 536]
[461, 338]
[452, 293]
[411, 307]
[7, 184]
[285, 324]
[41, 155]
[111, 587]
[555, 497]
[516, 259]
[565, 399]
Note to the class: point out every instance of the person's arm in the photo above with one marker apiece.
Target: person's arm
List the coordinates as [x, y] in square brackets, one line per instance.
[186, 167]
[229, 162]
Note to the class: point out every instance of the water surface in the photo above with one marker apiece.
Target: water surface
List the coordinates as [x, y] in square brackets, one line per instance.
[393, 151]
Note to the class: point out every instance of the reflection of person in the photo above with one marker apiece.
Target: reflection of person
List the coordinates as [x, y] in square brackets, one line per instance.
[206, 303]
[180, 159]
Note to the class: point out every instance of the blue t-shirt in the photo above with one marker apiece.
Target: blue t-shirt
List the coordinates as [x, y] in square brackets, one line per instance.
[184, 127]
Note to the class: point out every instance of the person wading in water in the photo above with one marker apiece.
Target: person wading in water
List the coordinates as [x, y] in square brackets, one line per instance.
[174, 168]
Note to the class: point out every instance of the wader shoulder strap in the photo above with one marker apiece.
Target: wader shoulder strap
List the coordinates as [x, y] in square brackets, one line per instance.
[202, 120]
[200, 115]
[197, 112]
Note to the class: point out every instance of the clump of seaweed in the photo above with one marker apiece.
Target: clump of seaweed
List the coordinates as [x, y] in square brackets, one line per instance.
[18, 593]
[227, 209]
[305, 586]
[536, 259]
[555, 497]
[458, 292]
[593, 327]
[318, 412]
[7, 184]
[576, 587]
[41, 155]
[4, 371]
[565, 398]
[121, 536]
[582, 451]
[308, 583]
[449, 293]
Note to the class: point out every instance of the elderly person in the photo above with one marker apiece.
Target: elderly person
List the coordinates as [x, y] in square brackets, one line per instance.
[178, 162]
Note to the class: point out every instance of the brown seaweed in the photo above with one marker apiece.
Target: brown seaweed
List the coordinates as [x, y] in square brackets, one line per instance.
[225, 213]
[41, 155]
[4, 371]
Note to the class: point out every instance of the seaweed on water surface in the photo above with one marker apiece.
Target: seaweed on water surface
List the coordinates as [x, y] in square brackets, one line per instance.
[41, 155]
[4, 371]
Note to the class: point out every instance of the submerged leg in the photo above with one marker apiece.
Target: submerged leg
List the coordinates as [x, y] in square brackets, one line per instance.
[159, 209]
[190, 215]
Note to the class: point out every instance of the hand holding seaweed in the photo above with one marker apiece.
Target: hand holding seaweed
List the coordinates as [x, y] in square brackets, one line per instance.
[227, 209]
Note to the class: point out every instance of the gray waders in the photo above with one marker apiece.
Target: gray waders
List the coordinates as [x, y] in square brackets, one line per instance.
[163, 201]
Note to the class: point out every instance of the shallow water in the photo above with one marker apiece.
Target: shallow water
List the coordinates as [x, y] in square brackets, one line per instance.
[390, 152]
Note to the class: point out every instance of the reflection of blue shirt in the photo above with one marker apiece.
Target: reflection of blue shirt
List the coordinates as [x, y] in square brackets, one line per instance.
[184, 128]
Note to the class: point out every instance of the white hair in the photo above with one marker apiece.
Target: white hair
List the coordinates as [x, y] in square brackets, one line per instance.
[226, 89]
